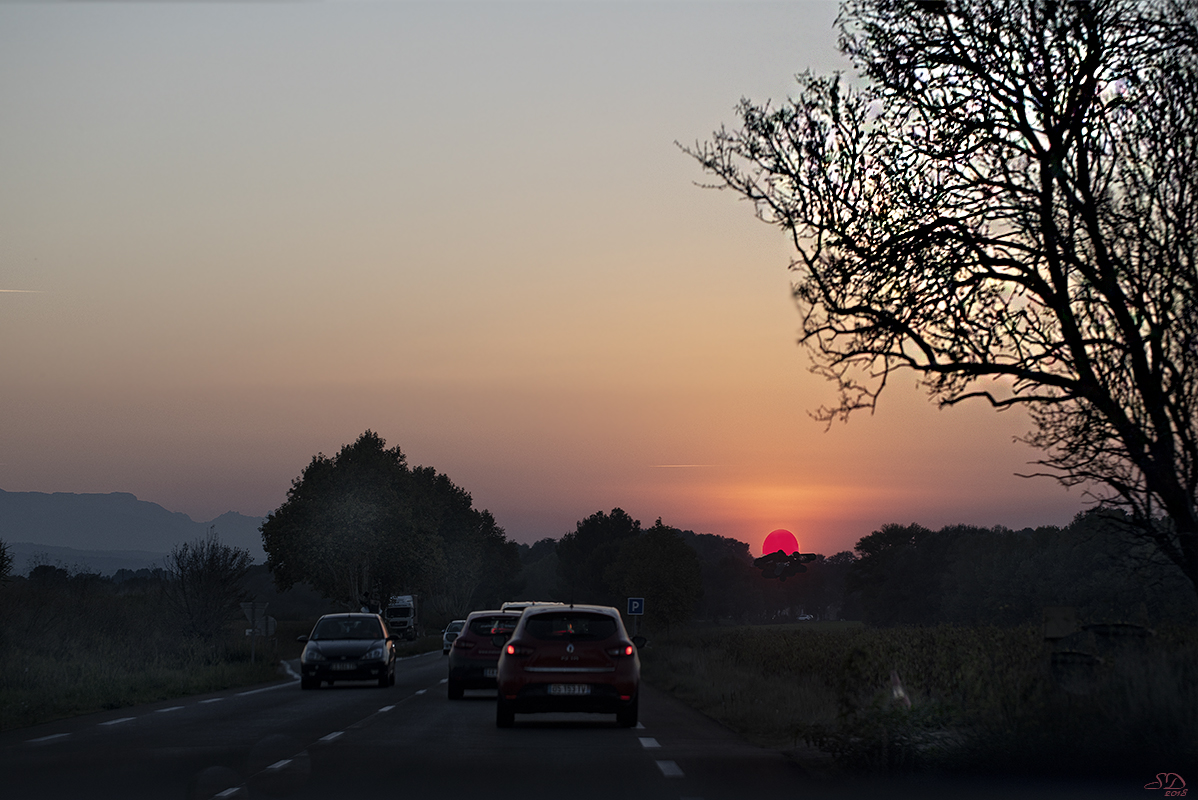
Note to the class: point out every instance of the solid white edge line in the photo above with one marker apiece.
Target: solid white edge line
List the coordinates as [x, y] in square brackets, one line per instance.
[49, 738]
[332, 736]
[670, 769]
[649, 741]
[118, 721]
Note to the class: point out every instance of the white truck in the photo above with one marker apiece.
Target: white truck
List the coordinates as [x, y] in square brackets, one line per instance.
[401, 615]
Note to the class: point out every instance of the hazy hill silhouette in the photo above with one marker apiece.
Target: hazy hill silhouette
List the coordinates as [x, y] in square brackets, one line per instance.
[114, 521]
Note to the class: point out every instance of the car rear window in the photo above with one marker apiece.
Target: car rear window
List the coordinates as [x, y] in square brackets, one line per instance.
[489, 626]
[454, 627]
[572, 625]
[347, 628]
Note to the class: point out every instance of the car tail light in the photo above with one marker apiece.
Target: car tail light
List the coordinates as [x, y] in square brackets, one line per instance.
[517, 650]
[622, 650]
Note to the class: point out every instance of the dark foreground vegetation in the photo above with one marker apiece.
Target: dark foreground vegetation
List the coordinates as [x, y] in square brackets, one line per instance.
[73, 644]
[981, 698]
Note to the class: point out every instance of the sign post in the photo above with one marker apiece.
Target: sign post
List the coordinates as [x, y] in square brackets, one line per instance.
[259, 624]
[636, 608]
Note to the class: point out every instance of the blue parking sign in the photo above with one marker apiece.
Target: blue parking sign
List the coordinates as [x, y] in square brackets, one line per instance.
[636, 606]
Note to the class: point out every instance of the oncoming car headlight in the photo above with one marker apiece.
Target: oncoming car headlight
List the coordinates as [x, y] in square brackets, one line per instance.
[311, 654]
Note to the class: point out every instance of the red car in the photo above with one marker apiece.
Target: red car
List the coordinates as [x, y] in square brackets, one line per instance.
[473, 656]
[569, 658]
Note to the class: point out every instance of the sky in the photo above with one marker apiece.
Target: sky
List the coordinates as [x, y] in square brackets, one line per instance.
[234, 235]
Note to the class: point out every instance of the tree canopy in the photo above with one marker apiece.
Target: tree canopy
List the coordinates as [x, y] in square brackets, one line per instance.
[1005, 205]
[363, 522]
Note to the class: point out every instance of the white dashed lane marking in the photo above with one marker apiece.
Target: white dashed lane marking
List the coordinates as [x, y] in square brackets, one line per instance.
[385, 709]
[670, 769]
[165, 710]
[50, 738]
[266, 688]
[649, 741]
[118, 721]
[443, 680]
[421, 691]
[212, 700]
[331, 736]
[639, 726]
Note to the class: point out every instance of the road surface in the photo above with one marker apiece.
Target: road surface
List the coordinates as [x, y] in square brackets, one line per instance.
[409, 741]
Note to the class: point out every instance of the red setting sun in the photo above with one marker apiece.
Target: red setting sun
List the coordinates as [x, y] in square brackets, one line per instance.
[780, 539]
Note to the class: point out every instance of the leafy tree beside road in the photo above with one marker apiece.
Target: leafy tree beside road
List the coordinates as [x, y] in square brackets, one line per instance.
[363, 522]
[662, 567]
[1005, 207]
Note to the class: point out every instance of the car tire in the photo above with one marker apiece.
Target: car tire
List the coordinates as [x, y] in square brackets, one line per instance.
[309, 683]
[505, 717]
[391, 680]
[454, 689]
[445, 652]
[384, 679]
[626, 717]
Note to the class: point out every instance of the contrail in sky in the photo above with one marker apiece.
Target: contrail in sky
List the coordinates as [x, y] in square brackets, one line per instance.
[23, 291]
[684, 466]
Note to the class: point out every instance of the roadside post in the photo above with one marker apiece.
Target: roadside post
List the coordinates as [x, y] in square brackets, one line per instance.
[636, 608]
[260, 624]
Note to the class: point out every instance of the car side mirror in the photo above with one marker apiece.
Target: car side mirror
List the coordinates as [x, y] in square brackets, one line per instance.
[639, 641]
[303, 638]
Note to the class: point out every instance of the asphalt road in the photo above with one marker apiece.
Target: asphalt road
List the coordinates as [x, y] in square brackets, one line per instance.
[409, 741]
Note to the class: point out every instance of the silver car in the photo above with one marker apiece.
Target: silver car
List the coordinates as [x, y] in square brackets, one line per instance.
[449, 634]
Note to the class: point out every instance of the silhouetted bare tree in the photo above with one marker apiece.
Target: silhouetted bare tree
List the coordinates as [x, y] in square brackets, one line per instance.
[204, 584]
[1007, 206]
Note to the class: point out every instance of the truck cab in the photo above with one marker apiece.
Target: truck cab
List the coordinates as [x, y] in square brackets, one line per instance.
[401, 615]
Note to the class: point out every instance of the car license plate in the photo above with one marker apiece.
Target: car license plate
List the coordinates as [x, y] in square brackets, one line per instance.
[569, 688]
[490, 672]
[344, 665]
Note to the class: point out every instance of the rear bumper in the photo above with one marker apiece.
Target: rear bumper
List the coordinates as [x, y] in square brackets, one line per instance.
[603, 699]
[473, 674]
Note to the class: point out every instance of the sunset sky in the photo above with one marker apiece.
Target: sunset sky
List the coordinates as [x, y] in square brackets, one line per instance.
[234, 235]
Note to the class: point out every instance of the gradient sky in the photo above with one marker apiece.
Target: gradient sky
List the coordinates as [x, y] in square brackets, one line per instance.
[245, 233]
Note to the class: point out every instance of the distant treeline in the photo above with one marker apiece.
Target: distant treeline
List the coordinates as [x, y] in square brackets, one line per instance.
[901, 574]
[907, 574]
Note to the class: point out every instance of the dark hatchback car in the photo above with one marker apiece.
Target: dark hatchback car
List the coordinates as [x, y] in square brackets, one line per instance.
[348, 647]
[576, 658]
[473, 657]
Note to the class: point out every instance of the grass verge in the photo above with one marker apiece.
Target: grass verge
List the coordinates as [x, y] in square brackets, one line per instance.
[982, 698]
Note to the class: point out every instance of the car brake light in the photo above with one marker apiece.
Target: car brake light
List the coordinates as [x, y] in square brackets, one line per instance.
[517, 650]
[622, 650]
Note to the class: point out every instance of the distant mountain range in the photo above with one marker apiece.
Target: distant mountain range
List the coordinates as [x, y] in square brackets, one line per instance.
[106, 532]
